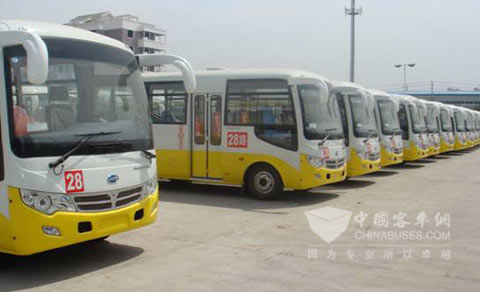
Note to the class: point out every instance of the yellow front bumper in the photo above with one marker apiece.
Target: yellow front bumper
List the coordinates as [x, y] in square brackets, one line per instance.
[432, 151]
[22, 234]
[470, 144]
[446, 147]
[357, 166]
[414, 152]
[388, 158]
[459, 145]
[311, 177]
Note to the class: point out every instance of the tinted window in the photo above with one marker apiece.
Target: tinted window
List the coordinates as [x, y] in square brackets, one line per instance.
[216, 120]
[168, 102]
[403, 120]
[266, 104]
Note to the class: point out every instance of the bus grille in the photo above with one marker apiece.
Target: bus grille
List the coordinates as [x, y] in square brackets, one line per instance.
[94, 202]
[334, 163]
[398, 150]
[373, 156]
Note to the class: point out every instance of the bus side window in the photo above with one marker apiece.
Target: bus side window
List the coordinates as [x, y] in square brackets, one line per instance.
[402, 119]
[265, 104]
[343, 116]
[216, 120]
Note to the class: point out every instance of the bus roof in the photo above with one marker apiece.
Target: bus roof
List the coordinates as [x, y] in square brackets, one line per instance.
[238, 73]
[53, 30]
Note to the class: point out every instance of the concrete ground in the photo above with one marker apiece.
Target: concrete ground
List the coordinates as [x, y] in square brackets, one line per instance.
[218, 239]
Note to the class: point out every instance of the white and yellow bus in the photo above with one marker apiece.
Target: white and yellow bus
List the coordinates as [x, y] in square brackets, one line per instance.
[433, 127]
[447, 137]
[477, 126]
[267, 130]
[459, 127]
[77, 160]
[358, 120]
[386, 113]
[470, 127]
[413, 128]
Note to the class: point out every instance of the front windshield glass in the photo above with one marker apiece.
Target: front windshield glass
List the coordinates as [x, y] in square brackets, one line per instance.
[90, 88]
[418, 119]
[470, 123]
[446, 121]
[388, 117]
[363, 118]
[431, 120]
[459, 121]
[319, 120]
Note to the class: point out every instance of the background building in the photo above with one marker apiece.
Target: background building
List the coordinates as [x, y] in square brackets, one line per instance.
[142, 38]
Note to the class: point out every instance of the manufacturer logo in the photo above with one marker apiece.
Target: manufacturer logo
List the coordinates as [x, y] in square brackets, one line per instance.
[113, 178]
[328, 222]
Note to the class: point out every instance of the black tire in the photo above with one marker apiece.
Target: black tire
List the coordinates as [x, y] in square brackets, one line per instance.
[264, 183]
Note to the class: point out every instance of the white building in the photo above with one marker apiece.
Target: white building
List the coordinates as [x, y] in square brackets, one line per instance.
[142, 38]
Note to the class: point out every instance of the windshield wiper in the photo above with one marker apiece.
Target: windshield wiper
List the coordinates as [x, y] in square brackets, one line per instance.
[124, 145]
[78, 145]
[324, 140]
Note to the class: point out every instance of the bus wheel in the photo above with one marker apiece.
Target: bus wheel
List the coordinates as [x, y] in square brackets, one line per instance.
[264, 183]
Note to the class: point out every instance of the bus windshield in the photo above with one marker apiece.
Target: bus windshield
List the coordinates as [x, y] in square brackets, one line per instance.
[470, 123]
[388, 117]
[363, 119]
[418, 119]
[90, 87]
[431, 120]
[319, 120]
[459, 121]
[446, 121]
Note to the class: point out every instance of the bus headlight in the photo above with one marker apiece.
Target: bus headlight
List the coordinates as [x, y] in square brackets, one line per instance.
[150, 187]
[315, 161]
[47, 203]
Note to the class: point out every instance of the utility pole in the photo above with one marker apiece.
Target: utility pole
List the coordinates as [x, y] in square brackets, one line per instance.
[352, 11]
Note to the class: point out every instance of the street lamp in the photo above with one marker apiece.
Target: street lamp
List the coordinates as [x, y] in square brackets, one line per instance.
[405, 88]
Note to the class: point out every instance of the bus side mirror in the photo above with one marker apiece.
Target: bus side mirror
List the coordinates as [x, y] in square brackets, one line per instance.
[189, 79]
[37, 53]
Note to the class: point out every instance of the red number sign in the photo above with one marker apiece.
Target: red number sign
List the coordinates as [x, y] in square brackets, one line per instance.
[74, 181]
[237, 139]
[369, 148]
[326, 153]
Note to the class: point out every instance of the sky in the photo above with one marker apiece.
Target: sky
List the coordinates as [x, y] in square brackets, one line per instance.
[441, 36]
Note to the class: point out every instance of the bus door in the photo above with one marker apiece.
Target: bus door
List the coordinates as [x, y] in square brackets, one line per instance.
[207, 136]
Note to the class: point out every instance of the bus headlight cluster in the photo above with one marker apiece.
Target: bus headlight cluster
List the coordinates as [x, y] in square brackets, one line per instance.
[315, 161]
[150, 187]
[47, 203]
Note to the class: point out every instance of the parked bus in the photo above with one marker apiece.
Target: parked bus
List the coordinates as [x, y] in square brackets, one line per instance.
[447, 137]
[358, 121]
[266, 130]
[470, 127]
[413, 128]
[459, 128]
[433, 127]
[71, 170]
[386, 113]
[477, 126]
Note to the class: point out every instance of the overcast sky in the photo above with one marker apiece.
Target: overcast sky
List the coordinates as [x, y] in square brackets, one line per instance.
[441, 36]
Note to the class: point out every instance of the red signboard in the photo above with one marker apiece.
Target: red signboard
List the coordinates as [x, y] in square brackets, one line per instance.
[237, 139]
[74, 181]
[326, 153]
